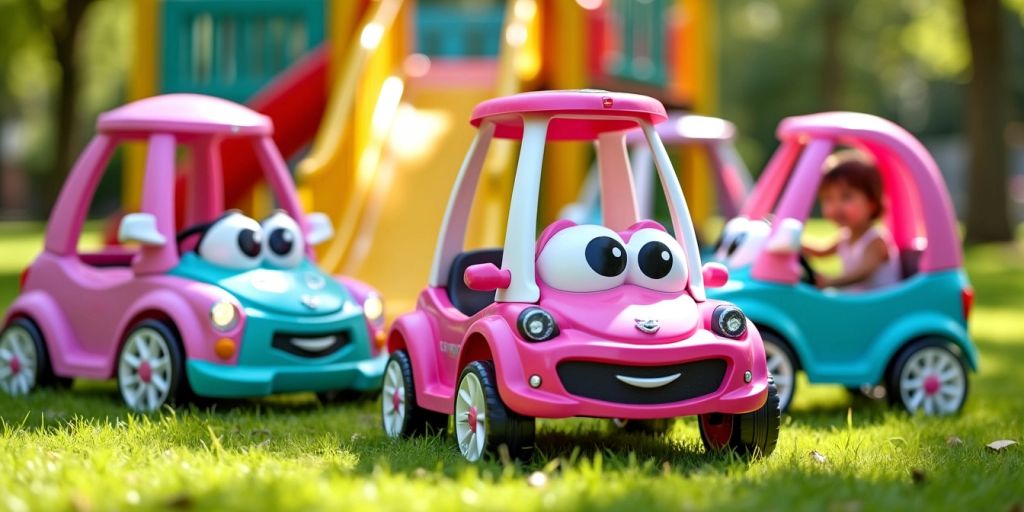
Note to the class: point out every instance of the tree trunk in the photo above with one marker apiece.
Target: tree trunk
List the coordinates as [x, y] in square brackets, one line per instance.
[832, 59]
[64, 34]
[988, 218]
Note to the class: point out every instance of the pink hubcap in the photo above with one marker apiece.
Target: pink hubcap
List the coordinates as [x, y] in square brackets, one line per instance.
[932, 384]
[472, 419]
[15, 365]
[145, 372]
[396, 401]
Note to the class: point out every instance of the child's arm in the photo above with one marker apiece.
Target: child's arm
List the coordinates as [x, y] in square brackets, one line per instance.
[874, 256]
[820, 252]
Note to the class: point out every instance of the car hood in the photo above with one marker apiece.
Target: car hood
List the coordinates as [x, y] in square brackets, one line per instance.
[617, 314]
[302, 291]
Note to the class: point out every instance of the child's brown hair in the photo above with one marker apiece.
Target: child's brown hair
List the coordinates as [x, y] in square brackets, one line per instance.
[856, 171]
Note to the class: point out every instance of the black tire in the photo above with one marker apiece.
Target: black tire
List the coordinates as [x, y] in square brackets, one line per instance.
[44, 376]
[655, 427]
[503, 426]
[178, 389]
[899, 395]
[753, 434]
[774, 344]
[414, 420]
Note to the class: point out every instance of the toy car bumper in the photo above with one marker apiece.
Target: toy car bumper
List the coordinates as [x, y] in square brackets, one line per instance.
[583, 377]
[224, 381]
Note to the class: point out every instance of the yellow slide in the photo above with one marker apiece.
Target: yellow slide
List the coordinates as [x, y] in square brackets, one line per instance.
[389, 149]
[394, 241]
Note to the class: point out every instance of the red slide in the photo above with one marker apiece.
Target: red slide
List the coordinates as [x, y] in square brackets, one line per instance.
[295, 102]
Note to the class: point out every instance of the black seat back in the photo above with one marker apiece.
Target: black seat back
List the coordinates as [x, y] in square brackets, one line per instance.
[470, 302]
[909, 261]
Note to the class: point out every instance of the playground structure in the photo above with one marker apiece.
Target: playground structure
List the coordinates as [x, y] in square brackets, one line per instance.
[370, 100]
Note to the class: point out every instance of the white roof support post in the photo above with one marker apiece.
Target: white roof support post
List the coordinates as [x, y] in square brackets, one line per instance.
[682, 223]
[521, 230]
[452, 237]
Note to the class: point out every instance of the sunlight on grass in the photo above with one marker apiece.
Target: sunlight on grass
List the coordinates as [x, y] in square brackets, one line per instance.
[80, 450]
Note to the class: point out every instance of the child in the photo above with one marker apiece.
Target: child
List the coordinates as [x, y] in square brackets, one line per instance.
[851, 197]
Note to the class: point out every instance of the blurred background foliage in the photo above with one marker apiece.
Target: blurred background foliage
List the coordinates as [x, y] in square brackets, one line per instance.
[908, 60]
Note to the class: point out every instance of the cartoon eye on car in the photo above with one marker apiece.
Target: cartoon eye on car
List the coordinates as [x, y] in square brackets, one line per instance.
[224, 307]
[602, 320]
[910, 337]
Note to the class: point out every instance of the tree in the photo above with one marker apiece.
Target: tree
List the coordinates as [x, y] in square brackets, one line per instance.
[62, 24]
[987, 95]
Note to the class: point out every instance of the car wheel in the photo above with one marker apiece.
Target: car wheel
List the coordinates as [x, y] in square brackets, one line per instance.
[24, 361]
[150, 367]
[482, 421]
[928, 376]
[782, 366]
[751, 434]
[400, 415]
[652, 427]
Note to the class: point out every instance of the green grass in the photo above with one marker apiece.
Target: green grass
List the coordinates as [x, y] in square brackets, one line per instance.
[80, 450]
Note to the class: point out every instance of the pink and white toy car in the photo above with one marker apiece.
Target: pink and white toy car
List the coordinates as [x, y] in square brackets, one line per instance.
[605, 321]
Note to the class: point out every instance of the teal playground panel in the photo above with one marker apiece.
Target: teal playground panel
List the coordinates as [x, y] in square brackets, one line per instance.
[640, 25]
[232, 48]
[450, 29]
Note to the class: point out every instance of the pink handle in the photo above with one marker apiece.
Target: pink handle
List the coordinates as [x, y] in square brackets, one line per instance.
[486, 277]
[715, 275]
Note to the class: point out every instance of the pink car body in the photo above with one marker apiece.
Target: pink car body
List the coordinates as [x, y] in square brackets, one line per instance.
[624, 351]
[83, 306]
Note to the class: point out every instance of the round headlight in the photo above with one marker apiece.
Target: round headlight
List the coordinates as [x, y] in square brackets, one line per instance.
[373, 308]
[535, 324]
[729, 321]
[223, 315]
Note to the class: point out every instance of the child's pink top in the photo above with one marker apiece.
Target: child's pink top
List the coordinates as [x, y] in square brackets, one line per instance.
[850, 253]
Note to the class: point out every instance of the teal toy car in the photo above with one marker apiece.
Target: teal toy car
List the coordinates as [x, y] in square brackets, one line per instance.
[206, 303]
[909, 339]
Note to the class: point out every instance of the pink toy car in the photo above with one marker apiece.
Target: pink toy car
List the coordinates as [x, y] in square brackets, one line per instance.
[588, 320]
[223, 307]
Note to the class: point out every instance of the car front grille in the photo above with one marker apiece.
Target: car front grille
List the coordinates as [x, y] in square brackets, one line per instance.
[644, 385]
[311, 345]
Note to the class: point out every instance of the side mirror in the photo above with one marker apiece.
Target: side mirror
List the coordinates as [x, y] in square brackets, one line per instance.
[318, 228]
[786, 238]
[486, 277]
[715, 275]
[140, 228]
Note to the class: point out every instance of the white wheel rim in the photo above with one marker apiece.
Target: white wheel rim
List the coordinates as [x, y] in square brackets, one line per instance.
[144, 370]
[19, 362]
[781, 369]
[470, 418]
[392, 399]
[932, 380]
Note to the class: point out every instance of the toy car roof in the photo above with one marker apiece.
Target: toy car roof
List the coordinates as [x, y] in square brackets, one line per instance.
[689, 128]
[184, 114]
[605, 112]
[846, 125]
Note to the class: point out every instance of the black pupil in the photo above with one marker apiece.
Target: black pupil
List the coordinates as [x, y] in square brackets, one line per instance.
[606, 256]
[655, 260]
[281, 241]
[249, 242]
[735, 243]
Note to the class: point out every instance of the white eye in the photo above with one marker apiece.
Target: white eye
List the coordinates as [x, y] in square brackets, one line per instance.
[585, 258]
[283, 245]
[748, 244]
[656, 261]
[233, 241]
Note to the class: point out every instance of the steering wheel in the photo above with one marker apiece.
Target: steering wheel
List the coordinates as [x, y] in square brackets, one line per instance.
[189, 232]
[807, 273]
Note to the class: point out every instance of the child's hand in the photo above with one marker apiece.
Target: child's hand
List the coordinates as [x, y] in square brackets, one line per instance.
[821, 281]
